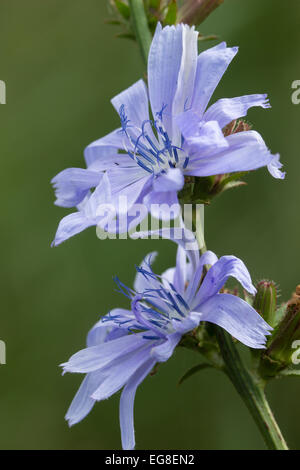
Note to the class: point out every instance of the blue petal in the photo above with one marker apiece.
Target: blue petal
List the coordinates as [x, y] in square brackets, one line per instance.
[99, 147]
[247, 151]
[173, 180]
[209, 138]
[180, 235]
[163, 205]
[181, 271]
[119, 374]
[226, 110]
[171, 70]
[219, 273]
[71, 225]
[208, 258]
[187, 324]
[105, 329]
[128, 184]
[127, 404]
[87, 215]
[165, 350]
[237, 317]
[211, 66]
[136, 105]
[274, 168]
[101, 157]
[82, 402]
[72, 185]
[141, 282]
[97, 357]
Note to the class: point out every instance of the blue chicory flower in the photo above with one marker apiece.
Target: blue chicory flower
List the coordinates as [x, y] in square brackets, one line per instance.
[123, 347]
[147, 158]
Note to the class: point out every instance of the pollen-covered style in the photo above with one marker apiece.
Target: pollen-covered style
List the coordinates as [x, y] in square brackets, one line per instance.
[167, 132]
[123, 347]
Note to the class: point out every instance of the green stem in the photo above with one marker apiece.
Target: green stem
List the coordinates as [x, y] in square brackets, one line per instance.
[140, 26]
[251, 391]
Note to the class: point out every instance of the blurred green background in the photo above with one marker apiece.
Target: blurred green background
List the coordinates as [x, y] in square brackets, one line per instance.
[62, 64]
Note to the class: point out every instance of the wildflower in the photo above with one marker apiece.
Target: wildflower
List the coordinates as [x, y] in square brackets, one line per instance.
[123, 347]
[147, 158]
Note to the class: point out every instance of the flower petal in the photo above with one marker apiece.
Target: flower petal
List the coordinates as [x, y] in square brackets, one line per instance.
[172, 180]
[136, 105]
[106, 330]
[274, 168]
[171, 70]
[180, 235]
[127, 185]
[181, 271]
[163, 205]
[72, 185]
[103, 146]
[101, 157]
[208, 258]
[82, 402]
[187, 72]
[141, 282]
[165, 350]
[98, 357]
[209, 138]
[211, 66]
[247, 151]
[237, 317]
[226, 110]
[127, 404]
[219, 273]
[118, 374]
[71, 225]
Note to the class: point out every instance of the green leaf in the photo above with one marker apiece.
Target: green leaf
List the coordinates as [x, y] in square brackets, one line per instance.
[193, 371]
[123, 9]
[171, 14]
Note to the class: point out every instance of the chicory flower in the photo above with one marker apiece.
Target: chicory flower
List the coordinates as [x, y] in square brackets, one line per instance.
[168, 131]
[124, 346]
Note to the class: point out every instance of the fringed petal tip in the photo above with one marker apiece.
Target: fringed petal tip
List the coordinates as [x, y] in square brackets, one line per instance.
[274, 167]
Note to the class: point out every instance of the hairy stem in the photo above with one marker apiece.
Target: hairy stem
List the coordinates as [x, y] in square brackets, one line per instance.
[251, 391]
[140, 26]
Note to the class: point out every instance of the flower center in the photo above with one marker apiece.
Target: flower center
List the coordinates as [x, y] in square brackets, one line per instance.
[157, 307]
[150, 145]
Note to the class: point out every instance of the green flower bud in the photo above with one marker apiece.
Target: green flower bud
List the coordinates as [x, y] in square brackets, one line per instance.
[279, 354]
[287, 332]
[265, 301]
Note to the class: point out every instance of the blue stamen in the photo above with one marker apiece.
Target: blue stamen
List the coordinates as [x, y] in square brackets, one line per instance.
[151, 337]
[160, 113]
[186, 161]
[175, 154]
[123, 117]
[141, 164]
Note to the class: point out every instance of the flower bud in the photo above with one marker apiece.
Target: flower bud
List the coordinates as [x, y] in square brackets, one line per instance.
[195, 11]
[265, 301]
[280, 349]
